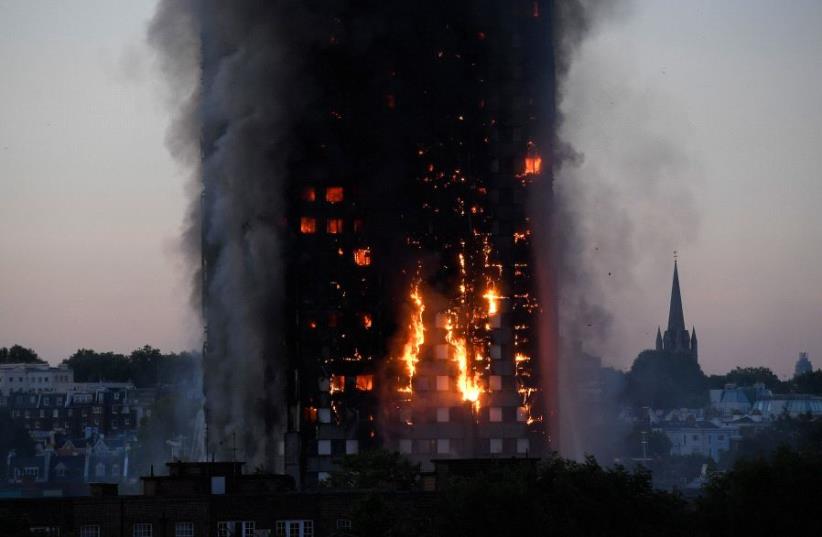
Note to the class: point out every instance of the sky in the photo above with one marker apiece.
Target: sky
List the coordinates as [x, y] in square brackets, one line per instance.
[700, 123]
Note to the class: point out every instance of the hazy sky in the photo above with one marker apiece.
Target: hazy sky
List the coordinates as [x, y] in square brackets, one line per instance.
[91, 204]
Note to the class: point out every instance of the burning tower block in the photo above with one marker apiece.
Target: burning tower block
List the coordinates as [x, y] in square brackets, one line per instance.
[409, 155]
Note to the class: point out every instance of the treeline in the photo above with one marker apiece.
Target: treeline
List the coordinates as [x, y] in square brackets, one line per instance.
[17, 354]
[144, 367]
[774, 495]
[665, 380]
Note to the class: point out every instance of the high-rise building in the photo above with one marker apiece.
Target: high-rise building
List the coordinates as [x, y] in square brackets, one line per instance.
[410, 303]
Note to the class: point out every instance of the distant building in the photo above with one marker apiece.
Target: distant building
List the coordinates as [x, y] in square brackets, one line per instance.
[704, 438]
[803, 365]
[37, 378]
[676, 338]
[791, 405]
[736, 400]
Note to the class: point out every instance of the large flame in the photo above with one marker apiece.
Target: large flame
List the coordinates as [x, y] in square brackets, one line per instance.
[416, 337]
[493, 301]
[468, 383]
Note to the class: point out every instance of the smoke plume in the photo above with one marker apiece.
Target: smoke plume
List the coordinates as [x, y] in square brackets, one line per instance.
[622, 196]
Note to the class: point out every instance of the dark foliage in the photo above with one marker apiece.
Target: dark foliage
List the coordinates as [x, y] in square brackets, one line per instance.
[748, 376]
[19, 355]
[374, 469]
[146, 366]
[665, 380]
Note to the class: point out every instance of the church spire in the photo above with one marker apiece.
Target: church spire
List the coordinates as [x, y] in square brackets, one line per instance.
[658, 338]
[676, 319]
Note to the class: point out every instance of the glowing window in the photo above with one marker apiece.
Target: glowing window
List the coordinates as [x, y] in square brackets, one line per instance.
[533, 165]
[309, 194]
[367, 321]
[308, 225]
[362, 256]
[310, 414]
[522, 414]
[443, 415]
[337, 383]
[442, 383]
[334, 226]
[334, 194]
[495, 382]
[365, 383]
[495, 414]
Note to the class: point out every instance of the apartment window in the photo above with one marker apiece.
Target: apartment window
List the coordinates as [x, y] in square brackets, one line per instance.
[495, 383]
[495, 414]
[442, 383]
[352, 447]
[324, 415]
[323, 447]
[343, 524]
[334, 194]
[495, 445]
[443, 446]
[294, 528]
[142, 529]
[406, 446]
[522, 414]
[362, 256]
[55, 413]
[90, 531]
[31, 471]
[100, 470]
[365, 383]
[184, 529]
[443, 415]
[236, 528]
[523, 446]
[308, 225]
[334, 226]
[309, 194]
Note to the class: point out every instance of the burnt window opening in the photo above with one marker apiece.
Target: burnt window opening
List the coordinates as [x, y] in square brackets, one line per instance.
[334, 194]
[334, 226]
[358, 225]
[362, 256]
[308, 225]
[309, 194]
[337, 383]
[365, 383]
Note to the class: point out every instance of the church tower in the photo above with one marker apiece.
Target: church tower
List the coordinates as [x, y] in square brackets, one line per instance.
[676, 338]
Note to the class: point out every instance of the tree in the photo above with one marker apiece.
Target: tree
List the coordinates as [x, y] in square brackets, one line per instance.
[657, 443]
[748, 376]
[665, 380]
[808, 383]
[18, 354]
[91, 366]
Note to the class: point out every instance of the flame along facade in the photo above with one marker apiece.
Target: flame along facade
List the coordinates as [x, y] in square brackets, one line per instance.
[410, 305]
[411, 276]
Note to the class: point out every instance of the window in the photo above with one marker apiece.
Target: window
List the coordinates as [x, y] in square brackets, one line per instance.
[406, 446]
[343, 524]
[443, 446]
[90, 531]
[522, 414]
[100, 470]
[442, 383]
[358, 225]
[294, 528]
[324, 415]
[45, 531]
[334, 194]
[337, 383]
[495, 383]
[334, 226]
[495, 445]
[309, 194]
[495, 414]
[308, 225]
[523, 446]
[323, 447]
[352, 447]
[142, 529]
[365, 383]
[362, 256]
[236, 528]
[184, 529]
[55, 413]
[31, 471]
[533, 165]
[443, 415]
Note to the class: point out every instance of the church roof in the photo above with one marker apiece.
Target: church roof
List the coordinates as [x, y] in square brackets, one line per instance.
[676, 319]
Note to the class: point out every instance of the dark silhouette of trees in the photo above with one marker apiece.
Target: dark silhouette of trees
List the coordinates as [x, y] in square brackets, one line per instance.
[18, 354]
[748, 376]
[374, 469]
[666, 380]
[144, 367]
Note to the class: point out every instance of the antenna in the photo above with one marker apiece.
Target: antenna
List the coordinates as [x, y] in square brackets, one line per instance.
[676, 256]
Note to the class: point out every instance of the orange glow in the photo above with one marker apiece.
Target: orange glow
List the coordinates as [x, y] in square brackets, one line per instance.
[362, 256]
[334, 226]
[308, 225]
[416, 337]
[310, 414]
[365, 383]
[493, 301]
[367, 321]
[334, 194]
[312, 325]
[533, 165]
[337, 383]
[468, 384]
[309, 194]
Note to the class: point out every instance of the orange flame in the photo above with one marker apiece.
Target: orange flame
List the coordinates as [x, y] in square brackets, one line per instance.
[416, 337]
[468, 384]
[493, 301]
